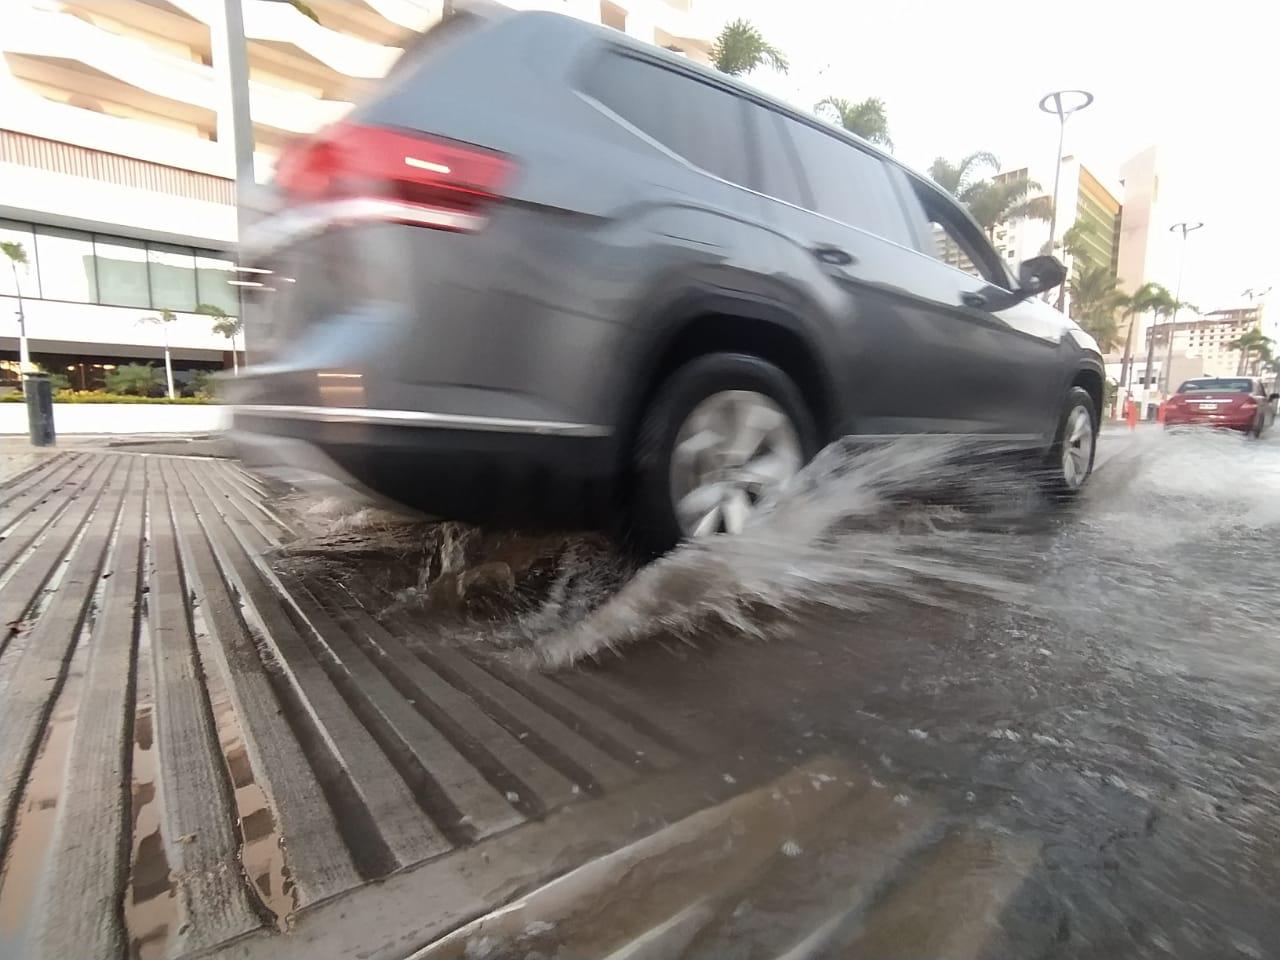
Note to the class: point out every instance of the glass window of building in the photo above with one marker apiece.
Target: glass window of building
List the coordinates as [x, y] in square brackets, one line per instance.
[27, 278]
[173, 277]
[122, 272]
[66, 265]
[213, 270]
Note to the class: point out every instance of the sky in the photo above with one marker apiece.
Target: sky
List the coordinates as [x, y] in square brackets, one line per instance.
[1200, 84]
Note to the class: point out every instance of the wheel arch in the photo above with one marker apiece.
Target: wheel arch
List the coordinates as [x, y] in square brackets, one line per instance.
[1089, 378]
[697, 324]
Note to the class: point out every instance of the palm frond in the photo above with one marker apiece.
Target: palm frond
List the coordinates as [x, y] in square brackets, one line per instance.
[741, 47]
[14, 251]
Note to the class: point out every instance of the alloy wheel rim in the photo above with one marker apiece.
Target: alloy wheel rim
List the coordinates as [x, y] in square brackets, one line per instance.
[1077, 447]
[733, 450]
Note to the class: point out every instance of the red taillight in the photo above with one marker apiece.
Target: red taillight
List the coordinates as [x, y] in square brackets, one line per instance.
[384, 174]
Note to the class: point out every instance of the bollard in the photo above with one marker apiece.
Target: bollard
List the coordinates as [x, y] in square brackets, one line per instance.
[1132, 415]
[39, 393]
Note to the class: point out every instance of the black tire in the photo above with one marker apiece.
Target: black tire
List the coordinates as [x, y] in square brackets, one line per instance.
[654, 526]
[1056, 480]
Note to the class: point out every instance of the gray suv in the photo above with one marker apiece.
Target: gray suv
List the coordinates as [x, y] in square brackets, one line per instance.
[548, 274]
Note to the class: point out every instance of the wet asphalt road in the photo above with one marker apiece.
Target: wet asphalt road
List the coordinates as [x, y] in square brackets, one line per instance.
[1116, 700]
[1089, 687]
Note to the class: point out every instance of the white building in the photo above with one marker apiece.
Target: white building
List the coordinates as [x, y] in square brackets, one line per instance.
[116, 156]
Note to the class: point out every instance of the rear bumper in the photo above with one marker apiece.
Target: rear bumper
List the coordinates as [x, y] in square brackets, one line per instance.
[477, 469]
[1220, 421]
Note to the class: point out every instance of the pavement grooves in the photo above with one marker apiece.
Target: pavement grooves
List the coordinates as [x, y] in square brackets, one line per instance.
[196, 749]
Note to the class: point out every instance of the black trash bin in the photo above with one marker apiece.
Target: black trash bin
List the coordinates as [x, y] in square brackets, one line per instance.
[39, 393]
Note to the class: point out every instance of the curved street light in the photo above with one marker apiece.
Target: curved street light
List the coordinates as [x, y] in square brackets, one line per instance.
[1059, 103]
[1185, 227]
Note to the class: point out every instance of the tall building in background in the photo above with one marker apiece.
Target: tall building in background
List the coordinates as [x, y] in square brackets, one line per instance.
[1085, 203]
[1209, 337]
[116, 157]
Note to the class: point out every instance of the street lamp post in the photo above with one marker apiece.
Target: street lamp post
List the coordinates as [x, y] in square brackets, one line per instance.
[1183, 228]
[1057, 104]
[235, 55]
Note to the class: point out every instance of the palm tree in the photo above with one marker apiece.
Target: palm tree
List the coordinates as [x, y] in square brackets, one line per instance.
[166, 317]
[994, 202]
[17, 254]
[1141, 301]
[867, 118]
[1095, 300]
[1263, 358]
[1161, 304]
[741, 47]
[226, 325]
[957, 178]
[1248, 343]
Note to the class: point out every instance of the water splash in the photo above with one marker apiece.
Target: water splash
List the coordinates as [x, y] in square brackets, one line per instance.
[914, 521]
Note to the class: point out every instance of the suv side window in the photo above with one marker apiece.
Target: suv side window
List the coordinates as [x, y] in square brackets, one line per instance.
[848, 184]
[956, 242]
[704, 124]
[777, 171]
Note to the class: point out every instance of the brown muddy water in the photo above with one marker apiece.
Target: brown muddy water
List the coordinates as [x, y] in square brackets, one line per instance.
[1097, 678]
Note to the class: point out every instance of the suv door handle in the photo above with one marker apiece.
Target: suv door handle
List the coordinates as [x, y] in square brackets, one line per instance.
[834, 256]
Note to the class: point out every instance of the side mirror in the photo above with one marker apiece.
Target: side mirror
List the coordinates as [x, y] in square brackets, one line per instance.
[1040, 274]
[1034, 276]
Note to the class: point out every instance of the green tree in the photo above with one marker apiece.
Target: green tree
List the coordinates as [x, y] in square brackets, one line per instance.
[139, 379]
[1161, 304]
[1095, 300]
[1134, 305]
[958, 178]
[200, 384]
[1076, 240]
[17, 255]
[227, 326]
[741, 48]
[1254, 346]
[866, 118]
[994, 202]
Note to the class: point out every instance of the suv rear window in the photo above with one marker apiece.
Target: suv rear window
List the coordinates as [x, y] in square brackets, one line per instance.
[848, 184]
[700, 122]
[1232, 385]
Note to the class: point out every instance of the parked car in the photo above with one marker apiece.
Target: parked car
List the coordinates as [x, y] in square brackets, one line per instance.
[1232, 403]
[548, 267]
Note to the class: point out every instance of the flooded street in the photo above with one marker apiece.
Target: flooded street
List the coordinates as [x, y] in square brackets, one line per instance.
[1115, 702]
[915, 710]
[1096, 679]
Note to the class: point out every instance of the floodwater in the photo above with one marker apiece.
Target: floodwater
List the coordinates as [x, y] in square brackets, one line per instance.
[1099, 678]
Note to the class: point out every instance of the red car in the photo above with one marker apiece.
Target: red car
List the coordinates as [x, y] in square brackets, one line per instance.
[1233, 403]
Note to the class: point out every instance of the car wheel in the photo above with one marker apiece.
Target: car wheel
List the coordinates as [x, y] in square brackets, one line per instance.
[721, 434]
[1071, 458]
